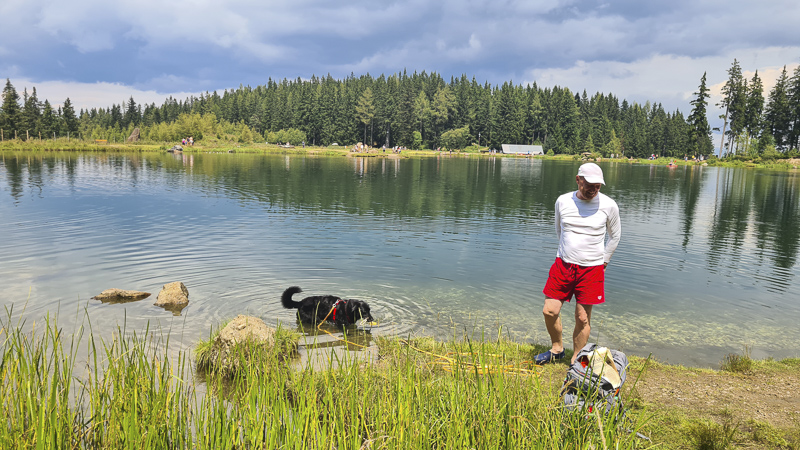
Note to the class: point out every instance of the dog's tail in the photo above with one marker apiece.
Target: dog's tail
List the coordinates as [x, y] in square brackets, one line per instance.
[286, 298]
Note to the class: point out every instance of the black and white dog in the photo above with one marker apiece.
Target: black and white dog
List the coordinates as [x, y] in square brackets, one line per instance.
[333, 309]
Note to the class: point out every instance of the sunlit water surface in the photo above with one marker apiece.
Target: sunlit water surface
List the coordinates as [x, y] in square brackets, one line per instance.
[707, 264]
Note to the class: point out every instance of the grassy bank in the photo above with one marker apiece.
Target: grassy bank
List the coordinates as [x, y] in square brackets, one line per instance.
[470, 392]
[220, 146]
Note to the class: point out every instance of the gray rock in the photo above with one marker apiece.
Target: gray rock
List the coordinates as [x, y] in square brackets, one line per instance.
[134, 137]
[175, 149]
[115, 295]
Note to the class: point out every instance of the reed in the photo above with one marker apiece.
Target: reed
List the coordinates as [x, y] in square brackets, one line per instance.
[418, 394]
[37, 388]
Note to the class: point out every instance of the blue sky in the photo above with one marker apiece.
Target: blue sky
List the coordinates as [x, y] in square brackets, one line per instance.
[98, 52]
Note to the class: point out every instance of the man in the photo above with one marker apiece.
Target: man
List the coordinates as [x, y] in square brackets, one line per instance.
[582, 220]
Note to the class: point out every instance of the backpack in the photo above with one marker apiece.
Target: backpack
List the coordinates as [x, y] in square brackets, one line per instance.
[584, 390]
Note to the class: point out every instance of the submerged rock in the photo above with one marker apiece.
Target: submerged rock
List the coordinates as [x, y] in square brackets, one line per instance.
[173, 297]
[115, 295]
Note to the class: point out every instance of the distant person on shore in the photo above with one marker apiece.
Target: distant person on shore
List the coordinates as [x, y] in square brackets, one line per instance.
[582, 219]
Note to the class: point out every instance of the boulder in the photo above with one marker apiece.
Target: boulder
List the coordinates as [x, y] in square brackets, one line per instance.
[175, 149]
[134, 136]
[173, 294]
[243, 346]
[115, 295]
[244, 328]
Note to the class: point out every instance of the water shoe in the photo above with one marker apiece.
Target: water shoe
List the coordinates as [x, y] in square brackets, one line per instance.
[548, 357]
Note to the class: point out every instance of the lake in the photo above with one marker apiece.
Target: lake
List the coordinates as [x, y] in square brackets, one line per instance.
[439, 247]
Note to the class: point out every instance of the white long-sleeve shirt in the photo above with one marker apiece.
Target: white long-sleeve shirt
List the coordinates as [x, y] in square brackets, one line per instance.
[581, 226]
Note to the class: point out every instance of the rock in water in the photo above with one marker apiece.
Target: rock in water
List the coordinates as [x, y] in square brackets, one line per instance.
[244, 328]
[244, 344]
[120, 295]
[173, 294]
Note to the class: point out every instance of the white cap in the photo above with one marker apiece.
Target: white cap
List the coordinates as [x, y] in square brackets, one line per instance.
[592, 173]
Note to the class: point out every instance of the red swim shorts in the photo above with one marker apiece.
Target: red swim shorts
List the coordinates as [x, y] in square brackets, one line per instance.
[585, 282]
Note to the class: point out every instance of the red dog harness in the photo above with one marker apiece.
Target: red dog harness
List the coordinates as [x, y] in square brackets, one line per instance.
[334, 307]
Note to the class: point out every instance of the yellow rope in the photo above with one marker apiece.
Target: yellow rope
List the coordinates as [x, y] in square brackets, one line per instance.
[448, 364]
[319, 327]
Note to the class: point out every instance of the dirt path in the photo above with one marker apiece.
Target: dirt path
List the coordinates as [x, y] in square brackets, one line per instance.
[771, 398]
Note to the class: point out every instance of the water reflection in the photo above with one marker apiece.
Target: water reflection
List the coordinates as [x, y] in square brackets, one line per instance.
[707, 261]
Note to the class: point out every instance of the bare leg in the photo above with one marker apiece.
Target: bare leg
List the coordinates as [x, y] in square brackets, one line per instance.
[583, 316]
[552, 319]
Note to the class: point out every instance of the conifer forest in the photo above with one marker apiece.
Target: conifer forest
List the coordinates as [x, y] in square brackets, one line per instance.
[423, 110]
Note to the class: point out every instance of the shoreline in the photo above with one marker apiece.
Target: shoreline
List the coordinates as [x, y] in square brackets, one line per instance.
[788, 164]
[415, 390]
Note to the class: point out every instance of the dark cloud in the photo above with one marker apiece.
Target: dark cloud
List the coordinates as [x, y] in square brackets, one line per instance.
[190, 46]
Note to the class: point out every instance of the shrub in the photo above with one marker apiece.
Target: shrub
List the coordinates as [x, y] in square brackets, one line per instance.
[708, 435]
[456, 138]
[738, 363]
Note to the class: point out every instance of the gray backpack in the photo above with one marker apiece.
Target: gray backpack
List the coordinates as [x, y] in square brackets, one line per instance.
[584, 391]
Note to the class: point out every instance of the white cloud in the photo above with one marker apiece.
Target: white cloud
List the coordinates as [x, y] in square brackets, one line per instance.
[669, 79]
[94, 95]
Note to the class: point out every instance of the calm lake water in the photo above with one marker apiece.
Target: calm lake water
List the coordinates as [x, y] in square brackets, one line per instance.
[707, 264]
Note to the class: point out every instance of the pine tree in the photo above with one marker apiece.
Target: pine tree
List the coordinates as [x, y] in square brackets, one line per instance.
[31, 114]
[794, 108]
[442, 108]
[422, 112]
[48, 120]
[68, 117]
[11, 114]
[533, 124]
[588, 145]
[365, 110]
[699, 130]
[403, 120]
[613, 146]
[755, 108]
[484, 115]
[131, 114]
[734, 101]
[511, 112]
[776, 113]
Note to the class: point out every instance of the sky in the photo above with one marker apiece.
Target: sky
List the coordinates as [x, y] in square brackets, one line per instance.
[100, 52]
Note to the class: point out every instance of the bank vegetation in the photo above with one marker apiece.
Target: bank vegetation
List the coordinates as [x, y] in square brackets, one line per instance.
[135, 390]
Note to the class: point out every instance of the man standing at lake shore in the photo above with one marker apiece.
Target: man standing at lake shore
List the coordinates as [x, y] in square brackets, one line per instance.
[582, 218]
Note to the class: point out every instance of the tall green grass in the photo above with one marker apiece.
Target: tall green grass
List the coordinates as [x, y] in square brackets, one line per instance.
[37, 388]
[132, 392]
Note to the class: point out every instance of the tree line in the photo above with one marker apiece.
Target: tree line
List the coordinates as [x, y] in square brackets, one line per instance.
[422, 110]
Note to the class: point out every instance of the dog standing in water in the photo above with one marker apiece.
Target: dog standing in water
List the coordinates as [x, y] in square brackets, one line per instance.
[336, 310]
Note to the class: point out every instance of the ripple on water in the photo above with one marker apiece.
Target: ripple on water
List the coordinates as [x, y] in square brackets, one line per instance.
[463, 258]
